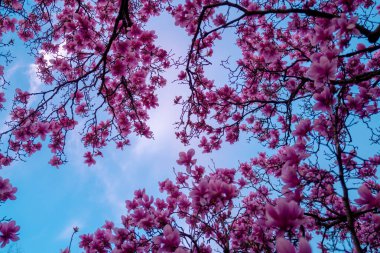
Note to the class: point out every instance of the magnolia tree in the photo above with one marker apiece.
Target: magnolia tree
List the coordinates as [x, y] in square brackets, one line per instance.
[306, 86]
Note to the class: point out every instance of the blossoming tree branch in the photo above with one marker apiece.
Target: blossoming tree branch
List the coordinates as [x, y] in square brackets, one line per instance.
[306, 80]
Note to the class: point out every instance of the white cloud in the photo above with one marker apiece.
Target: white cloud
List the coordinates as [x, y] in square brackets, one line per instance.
[34, 80]
[12, 70]
[112, 182]
[161, 123]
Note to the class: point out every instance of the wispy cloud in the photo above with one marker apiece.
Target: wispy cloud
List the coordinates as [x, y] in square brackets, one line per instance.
[9, 74]
[35, 83]
[161, 123]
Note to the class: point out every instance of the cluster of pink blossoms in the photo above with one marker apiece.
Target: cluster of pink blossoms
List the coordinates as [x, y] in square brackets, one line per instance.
[230, 210]
[216, 208]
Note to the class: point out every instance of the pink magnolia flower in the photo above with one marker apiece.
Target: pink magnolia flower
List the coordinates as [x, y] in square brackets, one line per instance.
[284, 215]
[295, 195]
[8, 232]
[169, 241]
[200, 193]
[293, 155]
[7, 191]
[108, 225]
[55, 161]
[376, 221]
[322, 69]
[303, 127]
[269, 52]
[347, 25]
[284, 246]
[78, 96]
[322, 34]
[42, 128]
[324, 100]
[219, 20]
[86, 241]
[118, 68]
[89, 159]
[366, 197]
[289, 176]
[2, 95]
[186, 159]
[304, 246]
[81, 109]
[22, 96]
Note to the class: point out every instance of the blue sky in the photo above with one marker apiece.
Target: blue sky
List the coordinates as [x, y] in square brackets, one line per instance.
[51, 201]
